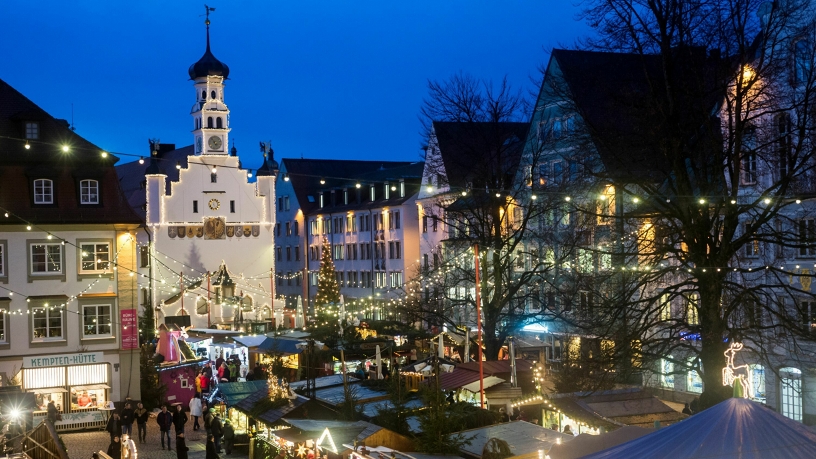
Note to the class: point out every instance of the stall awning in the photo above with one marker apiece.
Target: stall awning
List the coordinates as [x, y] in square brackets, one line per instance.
[49, 390]
[91, 387]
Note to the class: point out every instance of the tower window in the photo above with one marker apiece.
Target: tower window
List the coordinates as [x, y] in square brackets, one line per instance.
[195, 207]
[232, 207]
[218, 123]
[212, 95]
[209, 122]
[203, 95]
[213, 178]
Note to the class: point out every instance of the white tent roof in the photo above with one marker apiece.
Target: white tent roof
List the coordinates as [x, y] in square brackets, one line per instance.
[734, 429]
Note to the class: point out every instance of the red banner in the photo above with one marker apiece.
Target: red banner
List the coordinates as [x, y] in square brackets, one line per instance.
[130, 329]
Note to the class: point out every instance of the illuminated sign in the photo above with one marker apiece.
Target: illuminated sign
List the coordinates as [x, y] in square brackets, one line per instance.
[56, 360]
[741, 374]
[327, 438]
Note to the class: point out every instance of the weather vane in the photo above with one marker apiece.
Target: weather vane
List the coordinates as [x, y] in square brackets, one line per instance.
[207, 10]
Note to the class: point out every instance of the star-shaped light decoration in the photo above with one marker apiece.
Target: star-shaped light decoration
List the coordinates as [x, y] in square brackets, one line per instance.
[301, 450]
[175, 381]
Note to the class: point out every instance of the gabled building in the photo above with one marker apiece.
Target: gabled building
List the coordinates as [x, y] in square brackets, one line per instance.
[365, 210]
[68, 295]
[206, 258]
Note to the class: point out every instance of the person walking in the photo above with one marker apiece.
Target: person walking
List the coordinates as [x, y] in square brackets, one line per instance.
[195, 410]
[179, 418]
[141, 414]
[229, 436]
[208, 415]
[115, 448]
[114, 426]
[212, 452]
[165, 421]
[181, 446]
[217, 431]
[128, 416]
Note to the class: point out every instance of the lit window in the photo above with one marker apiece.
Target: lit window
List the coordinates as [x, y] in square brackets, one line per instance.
[790, 381]
[89, 192]
[46, 258]
[758, 380]
[667, 372]
[3, 260]
[694, 383]
[3, 322]
[32, 130]
[95, 257]
[43, 191]
[46, 323]
[96, 320]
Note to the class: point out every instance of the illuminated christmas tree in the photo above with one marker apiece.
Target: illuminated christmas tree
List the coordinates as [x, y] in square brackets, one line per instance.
[328, 292]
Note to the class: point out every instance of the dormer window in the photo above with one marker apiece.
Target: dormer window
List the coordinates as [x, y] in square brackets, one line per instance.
[372, 192]
[43, 191]
[32, 130]
[212, 95]
[203, 95]
[89, 192]
[387, 191]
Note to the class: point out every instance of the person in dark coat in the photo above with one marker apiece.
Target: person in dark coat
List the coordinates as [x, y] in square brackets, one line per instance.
[128, 416]
[179, 419]
[141, 414]
[52, 412]
[181, 446]
[229, 436]
[212, 453]
[115, 447]
[686, 409]
[217, 431]
[165, 421]
[208, 416]
[114, 426]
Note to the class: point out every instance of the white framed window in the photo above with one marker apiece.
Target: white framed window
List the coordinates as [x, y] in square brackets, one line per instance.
[667, 372]
[46, 323]
[95, 257]
[96, 320]
[694, 383]
[749, 168]
[46, 259]
[4, 308]
[89, 192]
[758, 381]
[790, 393]
[43, 191]
[396, 279]
[3, 273]
[32, 130]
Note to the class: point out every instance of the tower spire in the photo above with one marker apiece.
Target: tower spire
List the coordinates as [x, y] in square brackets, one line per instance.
[207, 10]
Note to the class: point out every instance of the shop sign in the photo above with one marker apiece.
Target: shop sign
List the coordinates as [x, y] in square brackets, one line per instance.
[57, 360]
[130, 329]
[82, 417]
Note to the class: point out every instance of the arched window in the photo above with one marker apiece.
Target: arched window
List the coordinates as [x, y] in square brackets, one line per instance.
[212, 95]
[790, 393]
[694, 383]
[266, 313]
[89, 192]
[203, 95]
[201, 305]
[246, 303]
[43, 191]
[219, 123]
[209, 122]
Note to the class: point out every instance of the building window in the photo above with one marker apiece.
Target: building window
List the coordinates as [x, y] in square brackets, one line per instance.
[4, 333]
[297, 253]
[752, 247]
[32, 130]
[288, 253]
[691, 310]
[694, 383]
[394, 250]
[297, 228]
[289, 278]
[394, 221]
[665, 307]
[232, 207]
[89, 192]
[96, 320]
[808, 309]
[286, 202]
[213, 178]
[209, 121]
[144, 257]
[195, 207]
[790, 381]
[43, 191]
[277, 229]
[278, 252]
[46, 323]
[396, 279]
[424, 223]
[807, 237]
[95, 257]
[338, 251]
[46, 258]
[288, 228]
[758, 381]
[435, 222]
[313, 225]
[667, 372]
[219, 123]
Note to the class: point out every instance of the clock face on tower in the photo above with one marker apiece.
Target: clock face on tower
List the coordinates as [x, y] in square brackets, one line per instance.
[214, 142]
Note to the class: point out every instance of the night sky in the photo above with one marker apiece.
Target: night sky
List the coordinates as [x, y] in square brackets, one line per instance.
[321, 79]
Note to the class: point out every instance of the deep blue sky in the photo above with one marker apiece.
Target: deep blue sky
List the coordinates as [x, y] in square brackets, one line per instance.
[322, 79]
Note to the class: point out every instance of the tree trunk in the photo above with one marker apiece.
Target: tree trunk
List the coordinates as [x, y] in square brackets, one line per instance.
[491, 342]
[712, 343]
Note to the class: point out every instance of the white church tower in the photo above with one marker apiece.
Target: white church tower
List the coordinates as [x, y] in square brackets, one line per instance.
[213, 219]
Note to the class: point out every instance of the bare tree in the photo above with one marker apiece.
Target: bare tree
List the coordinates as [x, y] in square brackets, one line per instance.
[698, 119]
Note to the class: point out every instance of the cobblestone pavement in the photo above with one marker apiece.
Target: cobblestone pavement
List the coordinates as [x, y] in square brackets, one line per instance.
[82, 444]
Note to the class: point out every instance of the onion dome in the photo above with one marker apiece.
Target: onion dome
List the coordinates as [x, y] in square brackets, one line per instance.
[269, 166]
[208, 65]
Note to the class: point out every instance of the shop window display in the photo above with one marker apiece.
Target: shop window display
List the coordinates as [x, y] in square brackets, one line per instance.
[82, 398]
[46, 397]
